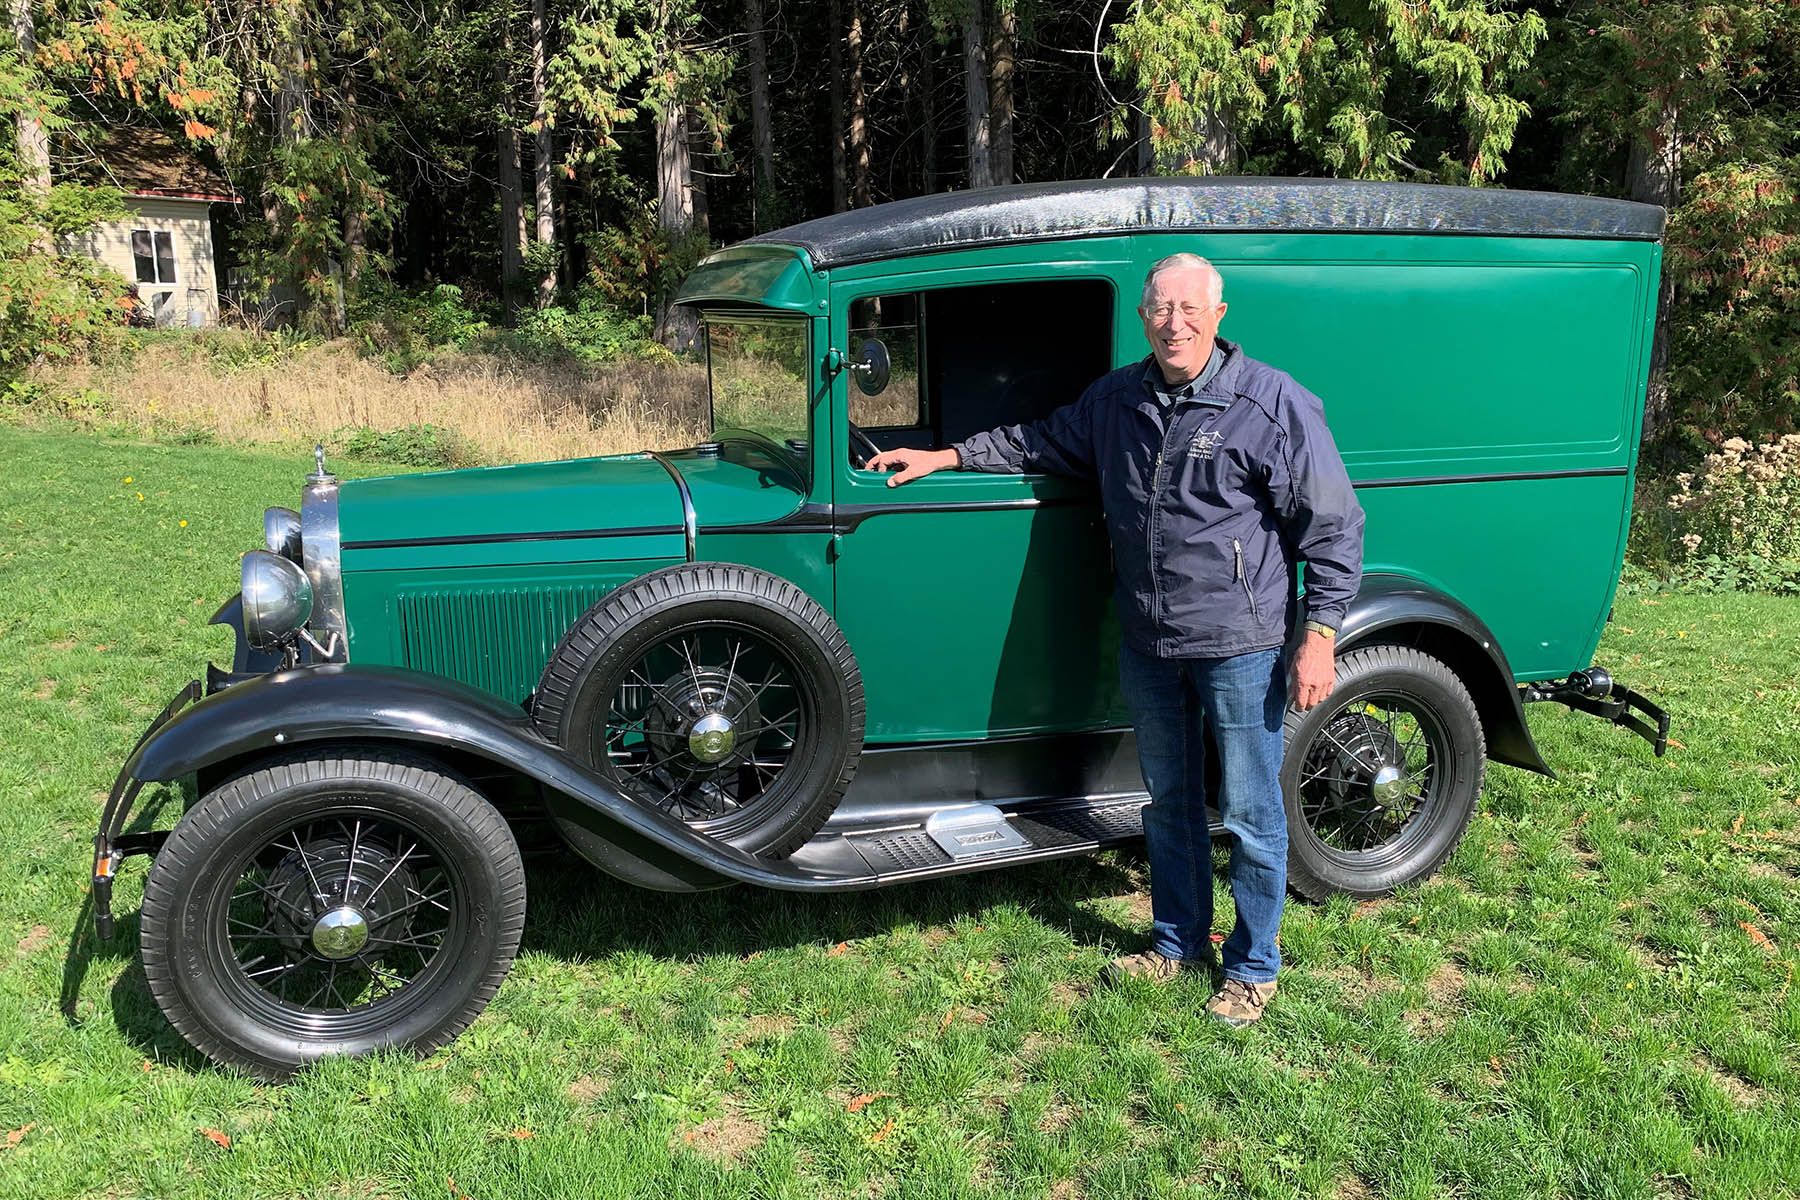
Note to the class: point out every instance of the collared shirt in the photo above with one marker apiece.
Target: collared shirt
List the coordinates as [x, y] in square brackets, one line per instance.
[1167, 395]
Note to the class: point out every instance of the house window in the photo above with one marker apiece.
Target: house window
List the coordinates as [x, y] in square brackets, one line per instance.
[155, 255]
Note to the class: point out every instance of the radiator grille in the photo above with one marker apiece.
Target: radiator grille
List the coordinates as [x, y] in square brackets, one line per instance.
[496, 638]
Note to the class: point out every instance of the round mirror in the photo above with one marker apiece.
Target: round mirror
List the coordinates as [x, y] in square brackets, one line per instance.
[873, 367]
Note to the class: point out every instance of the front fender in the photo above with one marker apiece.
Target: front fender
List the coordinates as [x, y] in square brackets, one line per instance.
[344, 702]
[1444, 626]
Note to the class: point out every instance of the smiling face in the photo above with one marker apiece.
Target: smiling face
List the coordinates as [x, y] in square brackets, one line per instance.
[1181, 312]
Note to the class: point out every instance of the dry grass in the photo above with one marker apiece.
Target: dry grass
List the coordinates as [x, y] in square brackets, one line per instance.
[508, 410]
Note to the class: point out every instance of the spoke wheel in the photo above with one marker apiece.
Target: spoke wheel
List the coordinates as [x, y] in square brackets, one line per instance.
[706, 721]
[1380, 780]
[336, 922]
[716, 694]
[337, 901]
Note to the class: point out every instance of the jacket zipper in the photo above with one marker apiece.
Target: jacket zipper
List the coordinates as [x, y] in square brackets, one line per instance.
[1237, 550]
[1150, 520]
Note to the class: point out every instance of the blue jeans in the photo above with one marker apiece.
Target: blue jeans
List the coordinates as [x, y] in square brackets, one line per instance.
[1242, 699]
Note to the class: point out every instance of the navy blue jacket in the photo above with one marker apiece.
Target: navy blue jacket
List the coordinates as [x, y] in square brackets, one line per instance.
[1212, 506]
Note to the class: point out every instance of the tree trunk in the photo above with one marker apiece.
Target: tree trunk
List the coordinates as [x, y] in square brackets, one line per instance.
[860, 193]
[356, 217]
[1216, 151]
[928, 151]
[975, 91]
[676, 325]
[697, 190]
[1653, 176]
[840, 191]
[34, 140]
[762, 137]
[1000, 66]
[540, 118]
[674, 171]
[512, 210]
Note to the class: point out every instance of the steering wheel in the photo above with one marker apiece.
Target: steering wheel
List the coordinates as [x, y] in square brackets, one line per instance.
[861, 441]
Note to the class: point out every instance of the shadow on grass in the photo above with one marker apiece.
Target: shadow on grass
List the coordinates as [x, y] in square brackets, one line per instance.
[577, 911]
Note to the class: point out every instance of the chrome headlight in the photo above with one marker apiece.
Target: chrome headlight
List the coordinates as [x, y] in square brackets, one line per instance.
[278, 599]
[281, 532]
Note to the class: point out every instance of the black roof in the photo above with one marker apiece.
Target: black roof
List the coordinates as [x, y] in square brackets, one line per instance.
[1040, 211]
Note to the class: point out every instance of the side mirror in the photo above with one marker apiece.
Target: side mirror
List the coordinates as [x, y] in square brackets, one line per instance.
[872, 367]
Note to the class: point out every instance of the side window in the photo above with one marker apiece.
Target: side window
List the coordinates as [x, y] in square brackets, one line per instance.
[154, 255]
[894, 321]
[966, 359]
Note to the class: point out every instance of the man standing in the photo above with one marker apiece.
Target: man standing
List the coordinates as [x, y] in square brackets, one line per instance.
[1218, 479]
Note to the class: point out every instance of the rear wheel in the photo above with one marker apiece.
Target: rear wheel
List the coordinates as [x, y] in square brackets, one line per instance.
[331, 903]
[1380, 781]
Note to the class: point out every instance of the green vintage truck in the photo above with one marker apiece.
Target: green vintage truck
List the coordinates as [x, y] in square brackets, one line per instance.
[706, 666]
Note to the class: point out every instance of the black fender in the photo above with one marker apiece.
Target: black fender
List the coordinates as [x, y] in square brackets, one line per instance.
[341, 702]
[1396, 608]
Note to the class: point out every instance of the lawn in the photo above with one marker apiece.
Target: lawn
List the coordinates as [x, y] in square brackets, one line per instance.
[1596, 997]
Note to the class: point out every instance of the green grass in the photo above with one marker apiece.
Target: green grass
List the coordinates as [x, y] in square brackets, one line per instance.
[1575, 1006]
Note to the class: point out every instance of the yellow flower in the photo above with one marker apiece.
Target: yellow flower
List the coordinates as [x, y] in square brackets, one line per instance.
[127, 479]
[140, 495]
[182, 523]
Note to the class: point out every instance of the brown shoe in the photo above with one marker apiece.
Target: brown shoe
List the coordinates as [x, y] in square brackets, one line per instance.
[1152, 965]
[1238, 1003]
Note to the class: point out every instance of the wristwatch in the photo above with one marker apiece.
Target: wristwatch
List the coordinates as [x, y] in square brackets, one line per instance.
[1322, 629]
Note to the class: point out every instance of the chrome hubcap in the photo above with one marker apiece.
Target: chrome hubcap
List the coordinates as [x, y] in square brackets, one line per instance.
[1389, 786]
[711, 738]
[340, 933]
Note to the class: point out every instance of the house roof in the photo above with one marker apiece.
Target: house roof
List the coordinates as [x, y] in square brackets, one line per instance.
[1042, 211]
[150, 163]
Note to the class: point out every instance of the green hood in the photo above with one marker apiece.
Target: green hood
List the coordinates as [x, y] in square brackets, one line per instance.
[581, 510]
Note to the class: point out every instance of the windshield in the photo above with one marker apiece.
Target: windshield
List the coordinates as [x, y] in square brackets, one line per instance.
[757, 368]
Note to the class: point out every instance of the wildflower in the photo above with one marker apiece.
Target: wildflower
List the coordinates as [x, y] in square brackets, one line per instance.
[127, 479]
[181, 524]
[140, 495]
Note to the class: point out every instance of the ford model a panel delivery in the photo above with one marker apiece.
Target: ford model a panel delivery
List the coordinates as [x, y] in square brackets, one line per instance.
[700, 666]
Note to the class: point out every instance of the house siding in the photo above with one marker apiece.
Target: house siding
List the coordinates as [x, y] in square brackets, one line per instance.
[194, 297]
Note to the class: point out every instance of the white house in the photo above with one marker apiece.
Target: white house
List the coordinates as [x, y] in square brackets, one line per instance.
[165, 244]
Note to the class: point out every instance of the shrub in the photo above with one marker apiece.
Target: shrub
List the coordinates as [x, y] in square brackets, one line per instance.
[593, 332]
[410, 445]
[1736, 519]
[404, 329]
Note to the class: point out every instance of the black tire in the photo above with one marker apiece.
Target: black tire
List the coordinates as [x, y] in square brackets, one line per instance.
[1352, 831]
[231, 926]
[622, 690]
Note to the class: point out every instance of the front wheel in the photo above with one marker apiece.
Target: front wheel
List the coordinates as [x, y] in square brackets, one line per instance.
[332, 903]
[1381, 779]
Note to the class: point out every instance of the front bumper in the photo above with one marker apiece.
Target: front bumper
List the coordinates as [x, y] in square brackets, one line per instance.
[111, 844]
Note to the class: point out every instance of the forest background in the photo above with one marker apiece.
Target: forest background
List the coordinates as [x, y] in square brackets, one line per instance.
[542, 172]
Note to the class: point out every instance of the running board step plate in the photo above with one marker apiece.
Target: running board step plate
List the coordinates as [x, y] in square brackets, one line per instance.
[977, 837]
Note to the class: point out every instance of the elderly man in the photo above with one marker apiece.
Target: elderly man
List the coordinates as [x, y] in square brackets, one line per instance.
[1218, 478]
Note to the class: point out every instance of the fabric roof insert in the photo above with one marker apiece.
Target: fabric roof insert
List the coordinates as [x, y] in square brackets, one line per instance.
[1043, 211]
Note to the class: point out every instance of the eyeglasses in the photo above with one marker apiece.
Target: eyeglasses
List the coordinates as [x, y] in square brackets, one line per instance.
[1162, 312]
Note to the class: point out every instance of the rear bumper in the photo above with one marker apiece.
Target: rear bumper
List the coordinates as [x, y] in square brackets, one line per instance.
[1594, 691]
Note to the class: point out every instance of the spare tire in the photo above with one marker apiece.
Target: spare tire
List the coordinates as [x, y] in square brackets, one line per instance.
[716, 693]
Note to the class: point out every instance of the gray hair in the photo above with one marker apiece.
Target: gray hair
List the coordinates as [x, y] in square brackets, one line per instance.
[1215, 286]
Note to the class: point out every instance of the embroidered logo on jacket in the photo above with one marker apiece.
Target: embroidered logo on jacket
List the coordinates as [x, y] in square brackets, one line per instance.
[1204, 443]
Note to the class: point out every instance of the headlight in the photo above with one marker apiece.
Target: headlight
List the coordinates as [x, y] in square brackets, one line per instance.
[281, 532]
[278, 599]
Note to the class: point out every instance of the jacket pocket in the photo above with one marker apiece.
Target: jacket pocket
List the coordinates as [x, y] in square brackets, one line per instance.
[1237, 554]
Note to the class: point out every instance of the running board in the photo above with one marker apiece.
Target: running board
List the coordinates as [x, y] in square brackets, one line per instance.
[973, 837]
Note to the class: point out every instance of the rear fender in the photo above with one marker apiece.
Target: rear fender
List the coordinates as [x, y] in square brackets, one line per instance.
[1395, 608]
[342, 702]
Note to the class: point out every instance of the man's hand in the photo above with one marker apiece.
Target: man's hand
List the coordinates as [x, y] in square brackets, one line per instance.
[1315, 670]
[909, 465]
